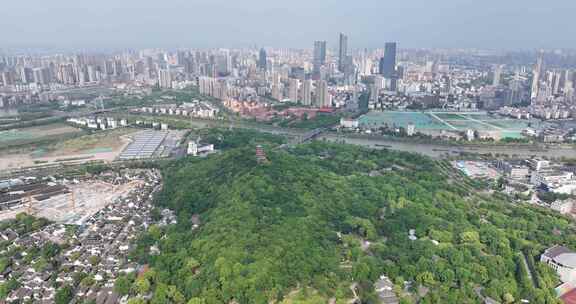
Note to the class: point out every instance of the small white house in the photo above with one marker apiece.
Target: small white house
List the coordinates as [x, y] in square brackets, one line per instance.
[349, 123]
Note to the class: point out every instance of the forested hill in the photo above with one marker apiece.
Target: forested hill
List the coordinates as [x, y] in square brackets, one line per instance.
[320, 218]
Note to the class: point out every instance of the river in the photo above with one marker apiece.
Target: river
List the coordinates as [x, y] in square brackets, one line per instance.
[440, 150]
[428, 149]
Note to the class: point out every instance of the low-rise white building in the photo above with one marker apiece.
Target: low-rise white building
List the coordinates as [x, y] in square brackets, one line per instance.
[349, 123]
[192, 148]
[538, 164]
[551, 179]
[410, 129]
[563, 260]
[470, 135]
[195, 150]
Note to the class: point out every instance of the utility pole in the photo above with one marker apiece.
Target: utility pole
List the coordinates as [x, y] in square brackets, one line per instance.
[29, 204]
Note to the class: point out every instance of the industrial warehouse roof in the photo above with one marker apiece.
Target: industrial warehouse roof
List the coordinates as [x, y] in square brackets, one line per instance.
[144, 145]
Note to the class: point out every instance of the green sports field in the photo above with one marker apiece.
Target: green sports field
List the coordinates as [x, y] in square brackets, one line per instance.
[450, 121]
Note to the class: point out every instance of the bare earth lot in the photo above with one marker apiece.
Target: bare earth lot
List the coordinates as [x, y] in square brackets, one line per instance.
[103, 146]
[29, 135]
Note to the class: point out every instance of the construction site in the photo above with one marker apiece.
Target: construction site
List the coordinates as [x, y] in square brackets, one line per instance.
[62, 202]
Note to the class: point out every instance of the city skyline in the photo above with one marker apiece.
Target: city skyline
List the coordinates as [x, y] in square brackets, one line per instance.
[204, 24]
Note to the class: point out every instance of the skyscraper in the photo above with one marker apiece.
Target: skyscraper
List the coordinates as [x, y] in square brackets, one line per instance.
[319, 55]
[497, 75]
[514, 88]
[568, 81]
[45, 75]
[181, 57]
[276, 90]
[556, 82]
[262, 59]
[388, 62]
[7, 78]
[569, 85]
[342, 52]
[93, 74]
[26, 75]
[536, 77]
[388, 65]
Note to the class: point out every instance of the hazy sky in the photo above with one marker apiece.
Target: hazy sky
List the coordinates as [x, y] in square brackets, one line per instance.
[497, 24]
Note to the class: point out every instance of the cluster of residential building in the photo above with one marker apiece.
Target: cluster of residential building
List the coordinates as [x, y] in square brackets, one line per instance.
[195, 108]
[90, 256]
[539, 111]
[98, 123]
[307, 92]
[539, 175]
[554, 112]
[150, 124]
[531, 178]
[553, 134]
[515, 112]
[110, 123]
[265, 111]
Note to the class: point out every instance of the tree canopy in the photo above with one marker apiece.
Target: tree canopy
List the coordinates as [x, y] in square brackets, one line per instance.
[320, 217]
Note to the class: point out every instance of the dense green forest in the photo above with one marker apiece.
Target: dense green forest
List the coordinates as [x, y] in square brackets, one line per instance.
[318, 219]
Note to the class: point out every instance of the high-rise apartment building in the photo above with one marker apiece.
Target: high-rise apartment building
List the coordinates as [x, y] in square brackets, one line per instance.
[164, 79]
[26, 75]
[322, 94]
[342, 52]
[306, 92]
[293, 89]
